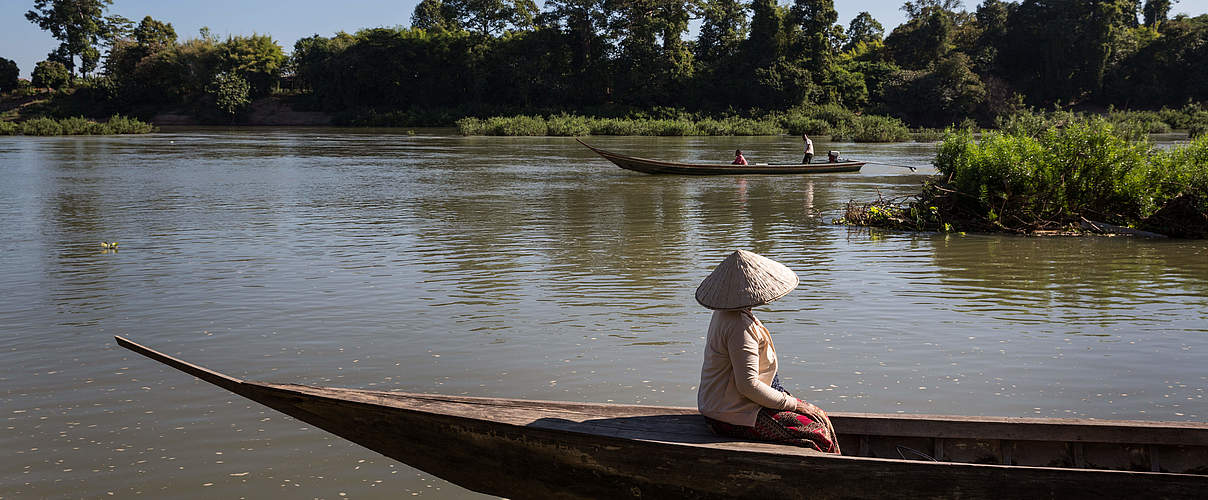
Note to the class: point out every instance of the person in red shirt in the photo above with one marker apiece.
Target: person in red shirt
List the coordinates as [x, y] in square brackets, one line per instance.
[738, 159]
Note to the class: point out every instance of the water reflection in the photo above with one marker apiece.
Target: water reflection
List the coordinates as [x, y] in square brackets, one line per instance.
[1079, 282]
[514, 267]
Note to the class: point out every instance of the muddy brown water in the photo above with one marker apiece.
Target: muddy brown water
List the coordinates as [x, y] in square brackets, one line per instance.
[514, 267]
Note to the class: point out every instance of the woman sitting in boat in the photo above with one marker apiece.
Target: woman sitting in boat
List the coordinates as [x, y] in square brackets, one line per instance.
[738, 159]
[740, 393]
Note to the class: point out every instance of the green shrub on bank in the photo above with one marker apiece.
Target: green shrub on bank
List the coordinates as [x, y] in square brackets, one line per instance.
[1135, 124]
[1151, 122]
[1197, 130]
[873, 128]
[76, 125]
[927, 135]
[41, 126]
[815, 120]
[565, 125]
[834, 114]
[1085, 169]
[1066, 179]
[572, 125]
[119, 124]
[852, 127]
[1185, 118]
[798, 124]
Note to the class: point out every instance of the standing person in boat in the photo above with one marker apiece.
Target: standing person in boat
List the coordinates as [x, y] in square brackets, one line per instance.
[740, 393]
[738, 159]
[809, 149]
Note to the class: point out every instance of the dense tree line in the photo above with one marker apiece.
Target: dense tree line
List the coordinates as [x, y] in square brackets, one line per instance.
[943, 65]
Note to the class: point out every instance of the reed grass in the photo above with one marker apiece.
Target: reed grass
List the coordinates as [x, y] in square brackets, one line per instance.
[76, 125]
[927, 135]
[662, 122]
[1197, 130]
[41, 126]
[573, 125]
[873, 128]
[119, 124]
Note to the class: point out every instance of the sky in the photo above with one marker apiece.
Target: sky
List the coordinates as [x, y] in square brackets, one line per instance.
[289, 21]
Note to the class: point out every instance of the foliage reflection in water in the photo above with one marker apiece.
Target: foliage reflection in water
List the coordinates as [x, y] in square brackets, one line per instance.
[515, 267]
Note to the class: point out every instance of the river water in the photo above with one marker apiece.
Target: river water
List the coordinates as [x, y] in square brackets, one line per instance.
[514, 267]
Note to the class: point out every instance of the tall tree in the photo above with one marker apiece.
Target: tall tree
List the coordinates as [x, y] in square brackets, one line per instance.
[918, 8]
[154, 35]
[816, 21]
[926, 36]
[653, 61]
[1156, 11]
[257, 59]
[8, 75]
[1063, 50]
[583, 24]
[863, 29]
[50, 74]
[432, 15]
[79, 25]
[767, 40]
[817, 42]
[491, 17]
[991, 21]
[722, 30]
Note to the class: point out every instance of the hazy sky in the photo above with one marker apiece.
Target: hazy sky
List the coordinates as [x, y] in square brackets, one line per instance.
[288, 21]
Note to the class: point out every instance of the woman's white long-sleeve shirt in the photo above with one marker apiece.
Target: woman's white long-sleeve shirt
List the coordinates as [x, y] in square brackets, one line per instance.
[740, 362]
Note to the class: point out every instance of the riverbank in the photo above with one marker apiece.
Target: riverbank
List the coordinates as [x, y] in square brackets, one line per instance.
[834, 121]
[831, 120]
[26, 105]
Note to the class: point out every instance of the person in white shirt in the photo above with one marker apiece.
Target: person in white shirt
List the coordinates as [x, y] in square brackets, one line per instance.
[740, 393]
[809, 149]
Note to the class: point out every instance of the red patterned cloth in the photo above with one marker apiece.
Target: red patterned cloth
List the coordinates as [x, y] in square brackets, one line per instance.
[811, 430]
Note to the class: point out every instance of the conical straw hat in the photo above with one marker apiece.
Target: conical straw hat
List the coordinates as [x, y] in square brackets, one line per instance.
[745, 280]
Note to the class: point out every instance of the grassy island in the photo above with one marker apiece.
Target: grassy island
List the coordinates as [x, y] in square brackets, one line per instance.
[1079, 175]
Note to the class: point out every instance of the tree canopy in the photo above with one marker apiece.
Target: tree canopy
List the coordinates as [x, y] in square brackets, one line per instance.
[942, 65]
[80, 26]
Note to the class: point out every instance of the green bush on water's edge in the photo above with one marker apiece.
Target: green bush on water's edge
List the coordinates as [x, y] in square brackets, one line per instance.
[840, 123]
[836, 121]
[42, 126]
[1062, 178]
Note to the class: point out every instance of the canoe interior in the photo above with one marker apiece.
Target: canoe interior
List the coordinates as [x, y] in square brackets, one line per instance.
[546, 449]
[649, 166]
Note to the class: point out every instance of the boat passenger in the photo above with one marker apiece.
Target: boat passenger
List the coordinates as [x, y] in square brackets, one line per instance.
[740, 393]
[809, 149]
[738, 159]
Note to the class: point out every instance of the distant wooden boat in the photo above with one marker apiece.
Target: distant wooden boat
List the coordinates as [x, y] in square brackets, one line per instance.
[544, 449]
[667, 167]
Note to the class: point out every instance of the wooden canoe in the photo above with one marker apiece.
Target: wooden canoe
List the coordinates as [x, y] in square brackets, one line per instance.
[544, 449]
[666, 167]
